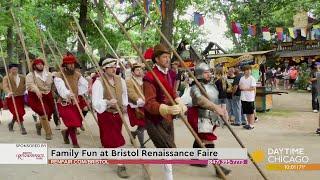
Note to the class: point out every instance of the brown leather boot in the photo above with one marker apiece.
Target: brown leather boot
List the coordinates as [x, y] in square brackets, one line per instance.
[10, 125]
[65, 137]
[38, 128]
[46, 126]
[122, 173]
[23, 129]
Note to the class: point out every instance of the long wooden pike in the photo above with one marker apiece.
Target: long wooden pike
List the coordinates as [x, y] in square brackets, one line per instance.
[108, 88]
[67, 83]
[10, 87]
[64, 76]
[184, 119]
[86, 100]
[90, 109]
[21, 36]
[200, 87]
[46, 61]
[114, 52]
[132, 81]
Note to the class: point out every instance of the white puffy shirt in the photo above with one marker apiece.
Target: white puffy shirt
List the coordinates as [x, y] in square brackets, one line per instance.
[63, 91]
[100, 104]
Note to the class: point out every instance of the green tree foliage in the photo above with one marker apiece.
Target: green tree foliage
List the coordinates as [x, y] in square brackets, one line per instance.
[271, 13]
[56, 16]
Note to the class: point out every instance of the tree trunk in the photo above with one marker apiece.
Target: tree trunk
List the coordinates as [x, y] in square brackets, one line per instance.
[10, 44]
[142, 44]
[83, 24]
[167, 21]
[101, 13]
[21, 56]
[259, 34]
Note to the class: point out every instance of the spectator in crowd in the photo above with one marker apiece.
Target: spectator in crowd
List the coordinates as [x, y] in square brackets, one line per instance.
[222, 86]
[293, 74]
[235, 101]
[247, 86]
[230, 78]
[175, 68]
[278, 76]
[239, 73]
[313, 80]
[273, 70]
[286, 78]
[269, 82]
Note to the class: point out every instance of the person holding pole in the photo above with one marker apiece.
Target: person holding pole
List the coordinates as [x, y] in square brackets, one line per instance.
[159, 111]
[39, 86]
[109, 120]
[18, 84]
[67, 108]
[136, 102]
[201, 115]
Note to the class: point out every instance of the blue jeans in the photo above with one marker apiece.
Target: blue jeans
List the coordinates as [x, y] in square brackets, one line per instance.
[229, 107]
[236, 110]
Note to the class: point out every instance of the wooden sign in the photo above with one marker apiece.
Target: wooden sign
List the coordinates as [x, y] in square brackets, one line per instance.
[245, 59]
[260, 59]
[225, 62]
[300, 20]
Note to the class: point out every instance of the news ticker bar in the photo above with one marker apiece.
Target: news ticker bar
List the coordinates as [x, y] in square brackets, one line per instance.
[147, 153]
[36, 153]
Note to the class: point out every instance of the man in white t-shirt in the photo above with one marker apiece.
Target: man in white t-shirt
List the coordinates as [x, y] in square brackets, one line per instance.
[247, 86]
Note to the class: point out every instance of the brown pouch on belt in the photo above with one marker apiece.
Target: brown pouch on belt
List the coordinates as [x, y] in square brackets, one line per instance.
[139, 113]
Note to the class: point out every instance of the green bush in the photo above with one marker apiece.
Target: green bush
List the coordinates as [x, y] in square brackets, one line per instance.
[303, 78]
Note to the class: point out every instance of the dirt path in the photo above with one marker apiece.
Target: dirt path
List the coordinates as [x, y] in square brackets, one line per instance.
[290, 124]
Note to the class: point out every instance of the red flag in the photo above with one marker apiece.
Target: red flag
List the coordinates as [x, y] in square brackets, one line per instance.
[201, 20]
[265, 29]
[234, 28]
[279, 31]
[252, 30]
[239, 28]
[198, 18]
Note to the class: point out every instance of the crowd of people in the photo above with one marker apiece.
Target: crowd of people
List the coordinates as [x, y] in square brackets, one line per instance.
[236, 94]
[288, 76]
[291, 76]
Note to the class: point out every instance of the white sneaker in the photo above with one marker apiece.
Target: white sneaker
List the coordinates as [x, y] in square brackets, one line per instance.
[315, 111]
